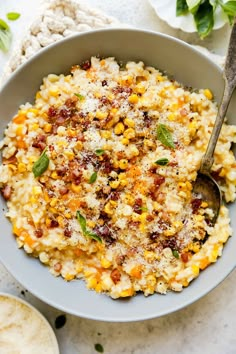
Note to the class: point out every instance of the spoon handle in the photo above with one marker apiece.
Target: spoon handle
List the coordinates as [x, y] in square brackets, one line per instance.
[229, 75]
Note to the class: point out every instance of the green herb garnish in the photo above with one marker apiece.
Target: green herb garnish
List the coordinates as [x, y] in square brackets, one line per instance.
[144, 208]
[162, 162]
[93, 177]
[13, 16]
[41, 165]
[5, 36]
[82, 221]
[164, 135]
[204, 12]
[175, 253]
[81, 97]
[99, 348]
[99, 152]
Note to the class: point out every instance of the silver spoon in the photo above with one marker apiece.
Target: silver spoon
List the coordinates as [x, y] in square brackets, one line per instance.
[205, 186]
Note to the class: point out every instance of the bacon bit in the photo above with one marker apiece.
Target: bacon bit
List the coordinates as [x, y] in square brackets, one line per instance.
[150, 218]
[147, 120]
[105, 233]
[104, 100]
[184, 257]
[60, 120]
[54, 223]
[137, 205]
[160, 197]
[154, 236]
[86, 65]
[71, 102]
[40, 142]
[115, 276]
[158, 180]
[6, 192]
[183, 112]
[153, 169]
[64, 113]
[104, 82]
[52, 112]
[11, 160]
[57, 267]
[38, 233]
[51, 147]
[67, 232]
[63, 190]
[115, 195]
[61, 171]
[120, 260]
[170, 242]
[120, 89]
[173, 163]
[196, 203]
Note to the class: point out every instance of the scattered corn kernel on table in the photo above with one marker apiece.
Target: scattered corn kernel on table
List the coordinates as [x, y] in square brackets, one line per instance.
[207, 326]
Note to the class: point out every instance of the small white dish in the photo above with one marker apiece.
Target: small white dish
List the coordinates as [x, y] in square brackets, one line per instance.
[166, 11]
[23, 329]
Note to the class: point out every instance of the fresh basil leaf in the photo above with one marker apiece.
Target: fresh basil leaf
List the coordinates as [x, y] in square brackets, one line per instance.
[162, 162]
[99, 152]
[81, 97]
[214, 4]
[204, 19]
[5, 40]
[181, 7]
[231, 19]
[144, 208]
[82, 221]
[93, 236]
[193, 5]
[175, 253]
[229, 7]
[3, 25]
[164, 136]
[41, 165]
[13, 16]
[93, 177]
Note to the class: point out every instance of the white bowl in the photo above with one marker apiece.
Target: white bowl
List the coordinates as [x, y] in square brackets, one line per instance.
[187, 66]
[166, 11]
[22, 325]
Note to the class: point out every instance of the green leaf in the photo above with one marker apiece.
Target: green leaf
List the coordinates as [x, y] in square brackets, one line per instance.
[204, 19]
[82, 221]
[99, 152]
[13, 16]
[5, 40]
[93, 177]
[229, 8]
[81, 97]
[193, 5]
[162, 162]
[231, 20]
[164, 136]
[214, 4]
[3, 25]
[181, 7]
[99, 348]
[93, 236]
[175, 253]
[41, 165]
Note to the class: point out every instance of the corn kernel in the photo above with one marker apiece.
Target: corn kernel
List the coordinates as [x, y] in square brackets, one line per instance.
[105, 263]
[123, 164]
[69, 276]
[91, 224]
[106, 134]
[148, 143]
[140, 88]
[79, 145]
[98, 288]
[125, 141]
[101, 115]
[119, 128]
[127, 292]
[149, 255]
[113, 111]
[61, 208]
[68, 215]
[48, 222]
[47, 128]
[21, 167]
[54, 175]
[172, 117]
[129, 122]
[208, 94]
[76, 188]
[129, 133]
[126, 80]
[91, 283]
[169, 232]
[71, 133]
[204, 205]
[38, 95]
[53, 202]
[133, 98]
[195, 269]
[60, 221]
[108, 209]
[97, 94]
[54, 91]
[114, 184]
[33, 110]
[199, 217]
[102, 62]
[160, 78]
[34, 127]
[178, 225]
[37, 190]
[70, 155]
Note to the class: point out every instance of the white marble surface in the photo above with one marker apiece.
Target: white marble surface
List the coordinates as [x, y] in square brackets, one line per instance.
[208, 326]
